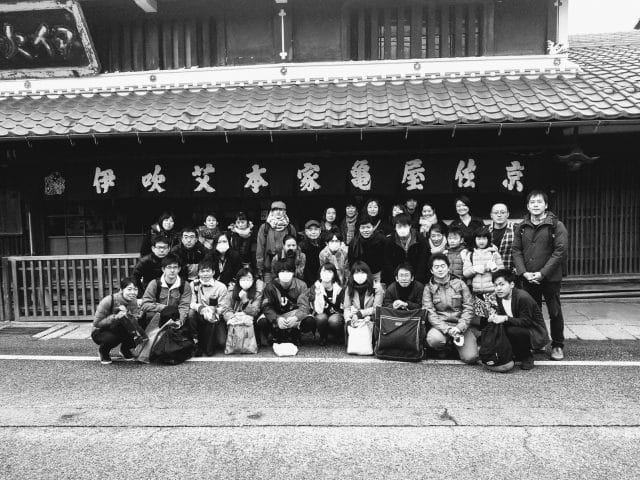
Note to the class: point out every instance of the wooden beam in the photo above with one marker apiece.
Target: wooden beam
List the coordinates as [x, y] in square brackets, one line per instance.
[148, 6]
[416, 31]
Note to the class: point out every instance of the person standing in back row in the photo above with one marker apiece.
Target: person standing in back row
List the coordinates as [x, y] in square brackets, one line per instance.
[540, 255]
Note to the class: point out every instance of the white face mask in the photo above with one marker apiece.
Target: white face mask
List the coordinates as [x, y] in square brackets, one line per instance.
[285, 277]
[326, 276]
[222, 247]
[360, 278]
[246, 284]
[403, 231]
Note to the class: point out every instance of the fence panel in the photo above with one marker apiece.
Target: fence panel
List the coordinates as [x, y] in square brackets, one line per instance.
[61, 287]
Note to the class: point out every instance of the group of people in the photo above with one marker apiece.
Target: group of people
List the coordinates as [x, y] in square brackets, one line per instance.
[334, 275]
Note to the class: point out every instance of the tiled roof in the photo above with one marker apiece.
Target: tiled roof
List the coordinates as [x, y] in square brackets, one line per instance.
[607, 88]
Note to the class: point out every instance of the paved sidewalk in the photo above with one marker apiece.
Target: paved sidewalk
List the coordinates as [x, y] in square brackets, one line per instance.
[601, 320]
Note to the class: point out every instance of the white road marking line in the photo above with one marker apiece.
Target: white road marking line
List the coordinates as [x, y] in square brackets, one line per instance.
[368, 360]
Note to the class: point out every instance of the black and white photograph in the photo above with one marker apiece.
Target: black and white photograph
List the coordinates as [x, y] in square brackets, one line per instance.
[319, 239]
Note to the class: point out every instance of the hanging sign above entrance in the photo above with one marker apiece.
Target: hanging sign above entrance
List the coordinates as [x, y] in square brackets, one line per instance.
[45, 39]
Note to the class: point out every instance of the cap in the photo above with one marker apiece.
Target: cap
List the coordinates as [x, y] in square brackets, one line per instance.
[312, 223]
[278, 204]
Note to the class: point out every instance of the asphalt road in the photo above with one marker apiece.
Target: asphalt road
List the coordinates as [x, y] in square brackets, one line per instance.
[317, 420]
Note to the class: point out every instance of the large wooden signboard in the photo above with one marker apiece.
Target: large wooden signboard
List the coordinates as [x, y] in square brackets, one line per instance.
[47, 38]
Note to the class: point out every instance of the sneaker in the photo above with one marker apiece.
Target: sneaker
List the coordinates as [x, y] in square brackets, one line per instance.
[126, 354]
[557, 353]
[527, 363]
[105, 358]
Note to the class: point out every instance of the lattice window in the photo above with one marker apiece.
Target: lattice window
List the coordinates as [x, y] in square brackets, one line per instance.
[419, 30]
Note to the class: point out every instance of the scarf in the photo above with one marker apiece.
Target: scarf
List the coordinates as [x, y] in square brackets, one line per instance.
[350, 223]
[278, 221]
[441, 247]
[242, 232]
[426, 223]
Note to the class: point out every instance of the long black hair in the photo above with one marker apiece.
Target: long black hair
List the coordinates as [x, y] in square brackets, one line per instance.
[360, 266]
[251, 293]
[331, 267]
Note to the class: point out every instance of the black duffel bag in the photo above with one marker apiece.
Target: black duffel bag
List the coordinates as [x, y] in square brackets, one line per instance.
[399, 334]
[495, 347]
[172, 346]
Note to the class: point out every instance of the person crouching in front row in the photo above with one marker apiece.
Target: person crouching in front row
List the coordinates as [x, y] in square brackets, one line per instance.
[405, 293]
[362, 295]
[325, 302]
[522, 318]
[204, 322]
[449, 306]
[285, 306]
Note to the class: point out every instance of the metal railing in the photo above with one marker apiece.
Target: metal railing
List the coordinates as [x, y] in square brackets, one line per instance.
[66, 287]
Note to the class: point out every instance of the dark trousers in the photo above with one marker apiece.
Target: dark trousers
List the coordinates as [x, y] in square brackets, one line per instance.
[551, 293]
[264, 327]
[112, 336]
[520, 340]
[210, 336]
[330, 324]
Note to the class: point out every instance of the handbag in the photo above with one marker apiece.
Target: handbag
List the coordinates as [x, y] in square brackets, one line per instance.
[171, 346]
[495, 348]
[400, 334]
[241, 338]
[360, 339]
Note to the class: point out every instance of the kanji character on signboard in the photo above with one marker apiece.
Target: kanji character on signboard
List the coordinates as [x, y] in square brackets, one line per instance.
[413, 175]
[202, 177]
[360, 176]
[465, 175]
[152, 181]
[308, 176]
[515, 172]
[103, 180]
[255, 180]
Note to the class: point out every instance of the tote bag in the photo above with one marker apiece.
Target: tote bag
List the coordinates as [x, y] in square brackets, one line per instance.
[400, 334]
[360, 340]
[241, 338]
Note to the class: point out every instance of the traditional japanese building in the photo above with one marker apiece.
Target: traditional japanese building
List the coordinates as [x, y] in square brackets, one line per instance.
[112, 111]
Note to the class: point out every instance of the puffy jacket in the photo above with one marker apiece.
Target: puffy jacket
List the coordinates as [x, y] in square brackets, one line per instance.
[109, 307]
[541, 248]
[269, 244]
[475, 267]
[371, 301]
[448, 304]
[207, 295]
[412, 295]
[456, 259]
[154, 301]
[369, 251]
[394, 254]
[251, 307]
[338, 259]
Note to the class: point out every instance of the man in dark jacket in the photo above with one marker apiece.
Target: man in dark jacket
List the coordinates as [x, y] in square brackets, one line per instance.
[285, 306]
[522, 318]
[368, 246]
[190, 253]
[405, 293]
[311, 246]
[149, 267]
[539, 255]
[404, 246]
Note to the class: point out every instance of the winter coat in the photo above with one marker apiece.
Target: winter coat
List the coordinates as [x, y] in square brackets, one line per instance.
[299, 261]
[154, 301]
[109, 307]
[172, 235]
[344, 229]
[506, 245]
[311, 251]
[371, 301]
[319, 301]
[369, 251]
[252, 307]
[148, 268]
[475, 268]
[541, 248]
[411, 294]
[456, 259]
[189, 259]
[394, 254]
[226, 271]
[338, 259]
[269, 244]
[468, 230]
[296, 300]
[207, 295]
[448, 304]
[242, 245]
[527, 314]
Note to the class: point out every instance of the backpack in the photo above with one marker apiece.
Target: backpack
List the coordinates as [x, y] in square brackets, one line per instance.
[495, 348]
[266, 229]
[172, 346]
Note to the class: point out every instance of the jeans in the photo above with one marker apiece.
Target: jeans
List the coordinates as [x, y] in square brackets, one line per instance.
[112, 336]
[551, 293]
[468, 352]
[292, 335]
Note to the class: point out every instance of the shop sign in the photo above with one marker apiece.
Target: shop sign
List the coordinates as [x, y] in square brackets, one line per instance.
[45, 39]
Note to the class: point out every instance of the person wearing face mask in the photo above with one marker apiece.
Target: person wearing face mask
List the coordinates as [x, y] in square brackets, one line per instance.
[466, 222]
[405, 293]
[166, 227]
[292, 254]
[336, 253]
[203, 322]
[362, 296]
[226, 262]
[325, 300]
[349, 225]
[209, 230]
[116, 322]
[311, 246]
[243, 302]
[242, 237]
[270, 238]
[374, 210]
[190, 252]
[368, 247]
[285, 306]
[404, 246]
